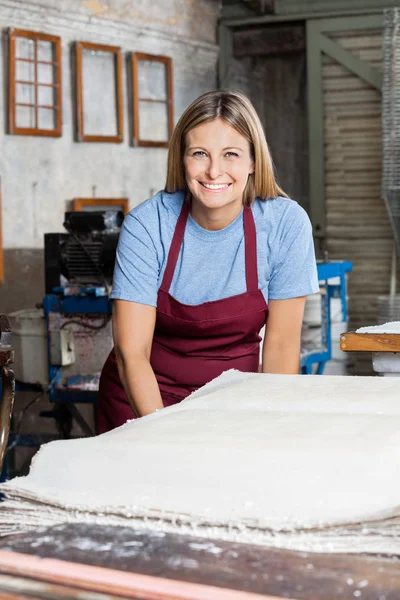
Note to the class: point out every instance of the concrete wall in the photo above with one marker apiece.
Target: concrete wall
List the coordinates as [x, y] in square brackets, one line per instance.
[40, 176]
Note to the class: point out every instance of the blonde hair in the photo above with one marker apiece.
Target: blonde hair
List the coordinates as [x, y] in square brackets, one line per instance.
[234, 108]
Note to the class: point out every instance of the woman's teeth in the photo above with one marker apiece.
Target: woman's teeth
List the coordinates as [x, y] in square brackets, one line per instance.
[215, 186]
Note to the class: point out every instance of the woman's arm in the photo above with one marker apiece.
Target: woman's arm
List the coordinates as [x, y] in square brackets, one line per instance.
[133, 330]
[281, 350]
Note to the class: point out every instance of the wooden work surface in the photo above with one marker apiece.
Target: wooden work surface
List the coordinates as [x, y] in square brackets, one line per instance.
[370, 342]
[227, 565]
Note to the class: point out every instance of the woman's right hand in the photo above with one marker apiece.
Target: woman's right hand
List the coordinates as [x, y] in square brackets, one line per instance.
[133, 331]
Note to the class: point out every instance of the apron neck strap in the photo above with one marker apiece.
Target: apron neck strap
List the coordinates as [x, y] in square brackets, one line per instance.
[250, 247]
[175, 247]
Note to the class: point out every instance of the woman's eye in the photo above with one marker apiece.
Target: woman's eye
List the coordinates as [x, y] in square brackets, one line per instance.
[199, 153]
[231, 154]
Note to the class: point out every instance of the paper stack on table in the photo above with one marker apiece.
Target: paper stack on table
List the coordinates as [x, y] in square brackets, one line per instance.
[291, 461]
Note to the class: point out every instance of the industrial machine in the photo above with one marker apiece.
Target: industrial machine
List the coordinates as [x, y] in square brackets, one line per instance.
[78, 275]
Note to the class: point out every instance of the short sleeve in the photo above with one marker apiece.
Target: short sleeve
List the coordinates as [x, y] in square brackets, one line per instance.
[136, 266]
[294, 268]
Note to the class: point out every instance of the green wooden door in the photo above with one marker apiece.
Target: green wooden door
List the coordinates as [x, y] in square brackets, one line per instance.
[345, 157]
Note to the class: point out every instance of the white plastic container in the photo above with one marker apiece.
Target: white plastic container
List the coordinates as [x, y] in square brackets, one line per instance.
[29, 340]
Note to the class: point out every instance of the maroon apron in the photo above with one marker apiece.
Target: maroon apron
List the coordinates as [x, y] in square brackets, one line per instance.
[193, 344]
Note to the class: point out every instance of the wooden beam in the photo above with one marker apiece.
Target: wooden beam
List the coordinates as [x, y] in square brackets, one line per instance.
[225, 56]
[262, 6]
[267, 41]
[315, 131]
[366, 15]
[351, 62]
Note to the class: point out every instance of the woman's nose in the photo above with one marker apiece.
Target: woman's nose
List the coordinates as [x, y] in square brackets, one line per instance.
[214, 168]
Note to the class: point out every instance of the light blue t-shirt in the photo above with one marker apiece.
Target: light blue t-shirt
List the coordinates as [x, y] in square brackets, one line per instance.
[211, 263]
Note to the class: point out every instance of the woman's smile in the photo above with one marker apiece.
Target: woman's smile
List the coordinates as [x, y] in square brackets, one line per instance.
[215, 187]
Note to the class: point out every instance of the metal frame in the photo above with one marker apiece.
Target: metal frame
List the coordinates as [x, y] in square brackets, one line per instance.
[116, 51]
[12, 86]
[169, 102]
[313, 362]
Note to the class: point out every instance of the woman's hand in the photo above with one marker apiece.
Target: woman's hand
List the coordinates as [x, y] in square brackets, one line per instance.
[281, 350]
[133, 330]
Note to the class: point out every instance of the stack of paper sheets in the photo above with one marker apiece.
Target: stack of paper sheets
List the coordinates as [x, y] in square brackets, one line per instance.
[300, 462]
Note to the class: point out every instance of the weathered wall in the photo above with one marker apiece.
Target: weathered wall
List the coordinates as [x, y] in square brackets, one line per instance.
[41, 175]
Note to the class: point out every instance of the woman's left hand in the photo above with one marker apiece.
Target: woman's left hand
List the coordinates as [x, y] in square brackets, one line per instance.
[281, 350]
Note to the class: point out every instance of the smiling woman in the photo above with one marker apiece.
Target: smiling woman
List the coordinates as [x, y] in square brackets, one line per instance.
[203, 265]
[218, 162]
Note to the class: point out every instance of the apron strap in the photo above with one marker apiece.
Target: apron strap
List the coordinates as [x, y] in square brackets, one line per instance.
[250, 246]
[250, 249]
[175, 247]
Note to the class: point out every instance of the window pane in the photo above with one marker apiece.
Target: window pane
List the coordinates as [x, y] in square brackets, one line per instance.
[153, 121]
[25, 117]
[99, 93]
[24, 71]
[25, 94]
[46, 96]
[46, 118]
[45, 73]
[24, 48]
[45, 50]
[153, 80]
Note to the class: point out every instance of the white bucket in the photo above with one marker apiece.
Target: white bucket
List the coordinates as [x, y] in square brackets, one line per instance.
[29, 340]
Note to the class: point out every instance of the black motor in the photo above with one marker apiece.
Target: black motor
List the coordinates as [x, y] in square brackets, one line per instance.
[85, 255]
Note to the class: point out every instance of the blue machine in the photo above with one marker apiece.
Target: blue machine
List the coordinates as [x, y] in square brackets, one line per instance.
[315, 360]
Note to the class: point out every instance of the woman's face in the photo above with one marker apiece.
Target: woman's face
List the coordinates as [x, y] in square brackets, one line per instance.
[217, 165]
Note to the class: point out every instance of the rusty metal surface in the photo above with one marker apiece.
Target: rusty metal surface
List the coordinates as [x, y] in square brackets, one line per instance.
[5, 333]
[6, 352]
[6, 408]
[8, 385]
[6, 357]
[229, 565]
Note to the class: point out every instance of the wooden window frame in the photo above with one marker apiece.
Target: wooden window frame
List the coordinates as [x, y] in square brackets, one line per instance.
[80, 203]
[116, 51]
[12, 103]
[136, 57]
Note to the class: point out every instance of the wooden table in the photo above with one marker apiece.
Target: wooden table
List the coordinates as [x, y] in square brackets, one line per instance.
[384, 348]
[77, 561]
[370, 342]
